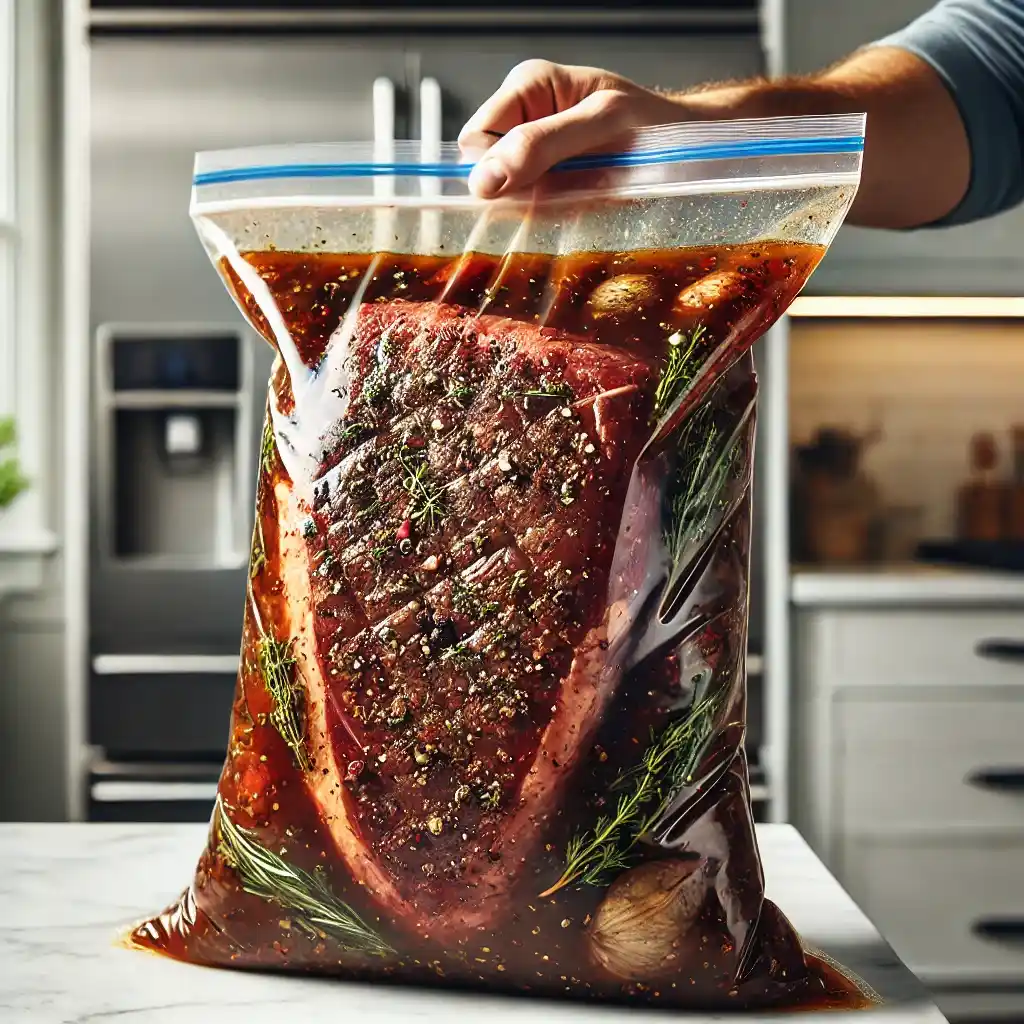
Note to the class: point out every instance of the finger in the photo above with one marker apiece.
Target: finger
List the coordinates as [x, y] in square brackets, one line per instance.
[526, 94]
[531, 149]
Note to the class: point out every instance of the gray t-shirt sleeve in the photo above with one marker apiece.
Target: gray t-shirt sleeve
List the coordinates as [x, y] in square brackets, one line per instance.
[977, 48]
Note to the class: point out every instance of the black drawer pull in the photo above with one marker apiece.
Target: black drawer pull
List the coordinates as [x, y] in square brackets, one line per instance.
[1002, 780]
[1001, 650]
[1006, 930]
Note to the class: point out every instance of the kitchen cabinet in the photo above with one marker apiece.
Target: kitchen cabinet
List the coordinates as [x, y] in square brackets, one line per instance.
[985, 258]
[908, 771]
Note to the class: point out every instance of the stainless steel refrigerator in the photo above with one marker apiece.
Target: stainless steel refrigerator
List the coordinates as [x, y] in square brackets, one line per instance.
[179, 383]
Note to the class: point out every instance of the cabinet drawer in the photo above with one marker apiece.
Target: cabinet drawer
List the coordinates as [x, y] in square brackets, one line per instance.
[924, 763]
[150, 715]
[932, 648]
[953, 912]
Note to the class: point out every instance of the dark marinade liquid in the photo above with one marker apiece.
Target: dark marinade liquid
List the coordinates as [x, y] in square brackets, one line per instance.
[735, 950]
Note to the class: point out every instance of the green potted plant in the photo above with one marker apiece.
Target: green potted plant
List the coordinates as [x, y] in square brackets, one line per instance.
[12, 480]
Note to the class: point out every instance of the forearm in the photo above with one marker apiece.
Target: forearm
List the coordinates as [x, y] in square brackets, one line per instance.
[916, 156]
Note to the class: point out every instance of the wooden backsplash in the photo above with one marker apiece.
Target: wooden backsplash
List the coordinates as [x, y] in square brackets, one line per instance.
[929, 384]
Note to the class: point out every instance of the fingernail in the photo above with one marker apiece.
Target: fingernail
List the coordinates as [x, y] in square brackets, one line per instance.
[488, 178]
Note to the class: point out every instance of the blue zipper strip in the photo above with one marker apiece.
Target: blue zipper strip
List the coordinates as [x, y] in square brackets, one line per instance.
[598, 161]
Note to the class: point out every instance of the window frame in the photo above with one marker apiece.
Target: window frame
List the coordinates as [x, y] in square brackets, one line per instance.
[29, 283]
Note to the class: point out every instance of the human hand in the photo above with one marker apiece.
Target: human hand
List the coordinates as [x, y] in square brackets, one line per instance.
[545, 113]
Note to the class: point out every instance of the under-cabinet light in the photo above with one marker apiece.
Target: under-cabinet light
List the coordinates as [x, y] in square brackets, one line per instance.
[907, 307]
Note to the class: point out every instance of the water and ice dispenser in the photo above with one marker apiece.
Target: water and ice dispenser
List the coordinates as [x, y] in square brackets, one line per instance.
[174, 446]
[177, 415]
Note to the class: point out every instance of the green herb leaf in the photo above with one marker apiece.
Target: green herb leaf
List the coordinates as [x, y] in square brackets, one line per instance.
[12, 481]
[258, 555]
[277, 666]
[696, 490]
[268, 446]
[679, 371]
[426, 498]
[667, 765]
[305, 895]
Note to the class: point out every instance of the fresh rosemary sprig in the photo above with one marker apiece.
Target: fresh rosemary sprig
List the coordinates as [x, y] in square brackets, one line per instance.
[704, 470]
[678, 373]
[667, 765]
[304, 895]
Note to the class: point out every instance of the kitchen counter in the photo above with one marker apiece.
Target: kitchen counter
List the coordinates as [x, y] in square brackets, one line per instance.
[914, 584]
[68, 890]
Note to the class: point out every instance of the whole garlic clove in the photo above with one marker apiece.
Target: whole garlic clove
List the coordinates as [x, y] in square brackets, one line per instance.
[708, 294]
[646, 926]
[623, 295]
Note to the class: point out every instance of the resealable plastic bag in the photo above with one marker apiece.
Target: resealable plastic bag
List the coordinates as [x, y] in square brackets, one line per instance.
[489, 723]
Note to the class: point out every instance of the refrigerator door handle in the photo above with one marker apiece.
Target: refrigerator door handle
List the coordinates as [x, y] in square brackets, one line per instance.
[431, 131]
[1000, 649]
[383, 153]
[999, 779]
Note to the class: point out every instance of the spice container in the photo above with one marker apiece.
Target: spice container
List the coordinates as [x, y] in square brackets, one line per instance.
[980, 501]
[1015, 497]
[835, 502]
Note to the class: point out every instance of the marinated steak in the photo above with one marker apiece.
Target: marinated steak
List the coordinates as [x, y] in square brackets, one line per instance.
[456, 596]
[489, 724]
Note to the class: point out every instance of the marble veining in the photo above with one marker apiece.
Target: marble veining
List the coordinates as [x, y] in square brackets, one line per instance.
[68, 891]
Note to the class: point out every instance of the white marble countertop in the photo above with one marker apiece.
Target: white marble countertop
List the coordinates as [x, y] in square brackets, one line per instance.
[67, 891]
[912, 585]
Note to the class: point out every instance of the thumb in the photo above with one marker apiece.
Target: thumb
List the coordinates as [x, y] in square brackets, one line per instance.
[529, 150]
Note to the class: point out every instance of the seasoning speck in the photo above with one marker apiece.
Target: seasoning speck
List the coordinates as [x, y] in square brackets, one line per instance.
[434, 825]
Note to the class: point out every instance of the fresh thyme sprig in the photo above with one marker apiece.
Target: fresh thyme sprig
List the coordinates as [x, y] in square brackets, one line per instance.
[667, 765]
[460, 392]
[277, 668]
[268, 446]
[678, 373]
[559, 389]
[307, 896]
[426, 498]
[258, 556]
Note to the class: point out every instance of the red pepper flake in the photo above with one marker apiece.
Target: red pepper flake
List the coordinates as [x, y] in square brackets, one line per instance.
[548, 332]
[402, 533]
[355, 769]
[415, 442]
